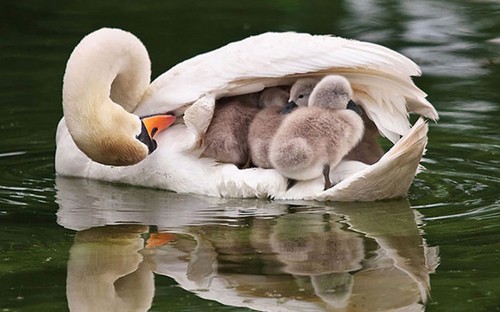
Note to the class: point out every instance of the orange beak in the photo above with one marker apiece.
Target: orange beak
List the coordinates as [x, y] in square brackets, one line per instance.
[156, 123]
[159, 239]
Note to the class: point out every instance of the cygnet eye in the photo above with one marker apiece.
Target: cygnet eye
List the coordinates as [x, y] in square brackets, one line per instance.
[301, 96]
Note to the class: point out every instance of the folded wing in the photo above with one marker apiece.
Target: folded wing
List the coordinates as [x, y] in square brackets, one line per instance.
[380, 77]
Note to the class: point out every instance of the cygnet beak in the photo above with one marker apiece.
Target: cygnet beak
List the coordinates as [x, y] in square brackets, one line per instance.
[289, 107]
[151, 126]
[353, 106]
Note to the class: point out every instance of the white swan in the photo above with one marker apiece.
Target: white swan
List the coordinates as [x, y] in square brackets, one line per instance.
[380, 77]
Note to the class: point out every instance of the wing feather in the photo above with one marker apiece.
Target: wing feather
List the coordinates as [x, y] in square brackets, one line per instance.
[381, 77]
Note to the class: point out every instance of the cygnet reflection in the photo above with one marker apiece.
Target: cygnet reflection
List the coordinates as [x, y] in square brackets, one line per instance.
[315, 245]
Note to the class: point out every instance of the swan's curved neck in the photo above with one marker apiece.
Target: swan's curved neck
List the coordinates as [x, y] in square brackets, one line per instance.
[111, 61]
[105, 79]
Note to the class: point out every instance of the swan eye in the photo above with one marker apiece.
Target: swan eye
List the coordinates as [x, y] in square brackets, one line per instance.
[301, 96]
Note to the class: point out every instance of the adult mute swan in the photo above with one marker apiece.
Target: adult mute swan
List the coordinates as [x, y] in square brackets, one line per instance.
[102, 72]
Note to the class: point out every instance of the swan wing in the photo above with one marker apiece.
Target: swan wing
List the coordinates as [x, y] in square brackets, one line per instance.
[381, 77]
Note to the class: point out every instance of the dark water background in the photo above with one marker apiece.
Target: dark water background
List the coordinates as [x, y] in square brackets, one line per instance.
[457, 200]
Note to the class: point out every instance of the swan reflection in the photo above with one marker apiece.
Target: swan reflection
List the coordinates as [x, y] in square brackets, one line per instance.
[268, 256]
[106, 271]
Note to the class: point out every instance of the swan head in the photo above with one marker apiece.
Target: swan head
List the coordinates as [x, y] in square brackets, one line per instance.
[118, 139]
[332, 92]
[106, 76]
[152, 125]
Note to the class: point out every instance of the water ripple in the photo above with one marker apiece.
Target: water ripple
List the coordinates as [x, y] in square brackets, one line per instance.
[10, 154]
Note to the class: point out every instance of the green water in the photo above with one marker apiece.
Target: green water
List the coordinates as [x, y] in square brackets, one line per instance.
[60, 237]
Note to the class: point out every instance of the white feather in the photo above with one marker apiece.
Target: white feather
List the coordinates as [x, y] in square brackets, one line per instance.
[380, 77]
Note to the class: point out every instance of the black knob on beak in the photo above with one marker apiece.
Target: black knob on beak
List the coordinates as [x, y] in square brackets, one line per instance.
[353, 106]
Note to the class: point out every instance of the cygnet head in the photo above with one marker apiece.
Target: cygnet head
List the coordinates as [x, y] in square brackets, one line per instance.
[273, 97]
[332, 92]
[301, 90]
